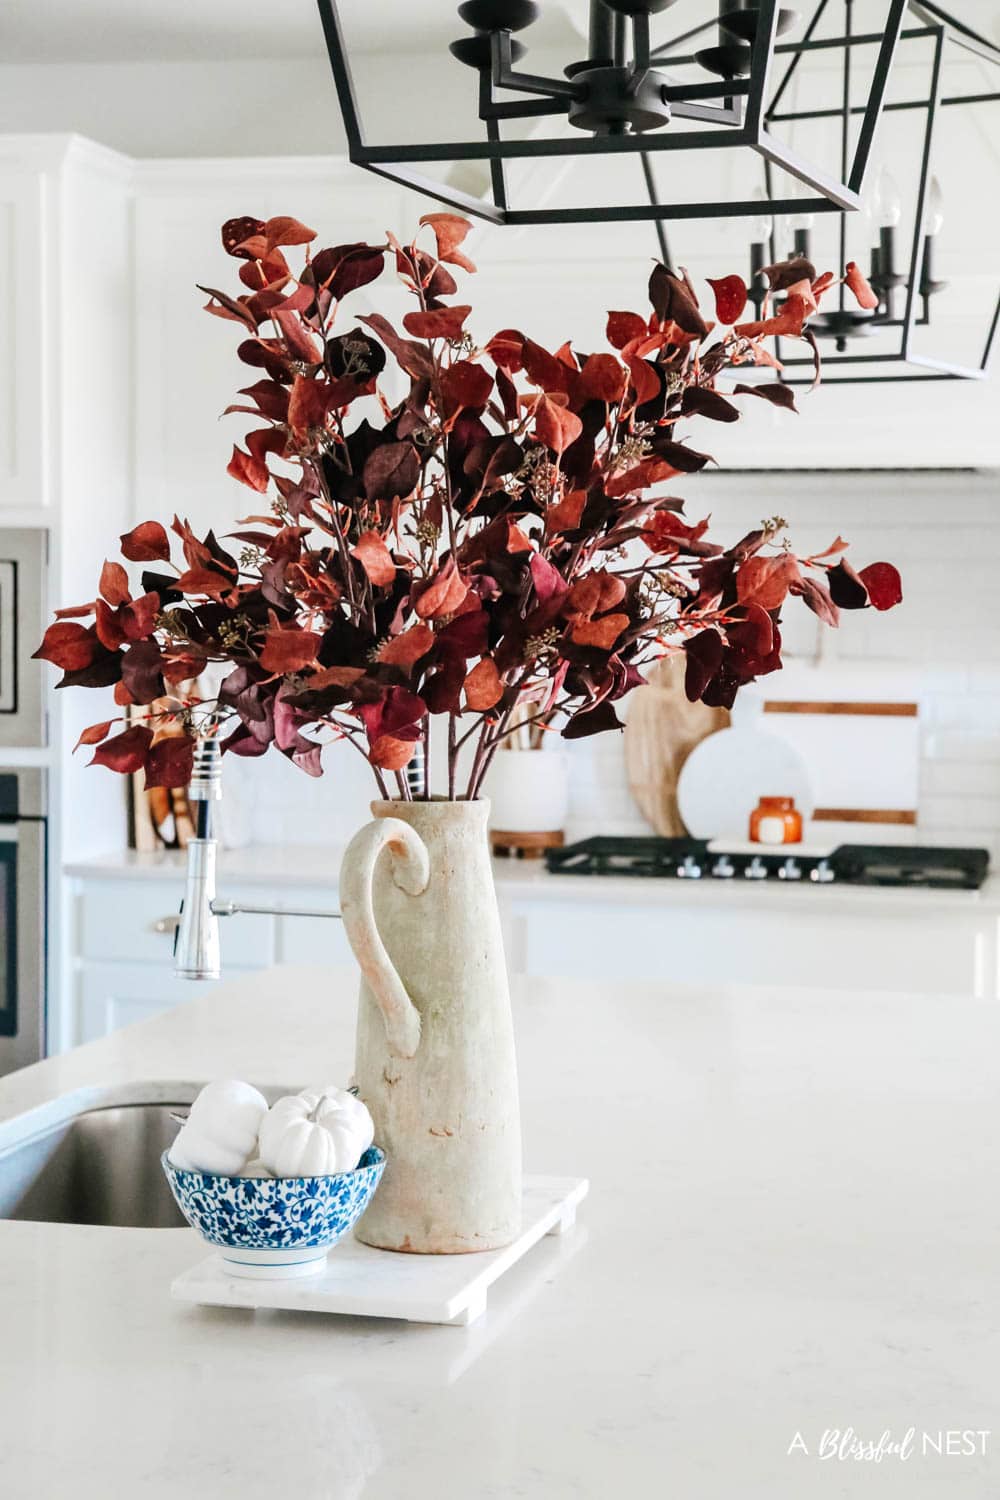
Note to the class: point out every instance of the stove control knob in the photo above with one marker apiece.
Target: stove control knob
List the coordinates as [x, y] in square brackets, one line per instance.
[822, 873]
[690, 869]
[756, 869]
[723, 869]
[790, 870]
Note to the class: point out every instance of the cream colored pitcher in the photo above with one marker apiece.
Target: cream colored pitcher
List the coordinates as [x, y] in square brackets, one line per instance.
[435, 1046]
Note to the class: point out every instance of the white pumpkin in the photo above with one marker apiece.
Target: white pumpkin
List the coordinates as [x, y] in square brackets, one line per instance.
[220, 1133]
[315, 1133]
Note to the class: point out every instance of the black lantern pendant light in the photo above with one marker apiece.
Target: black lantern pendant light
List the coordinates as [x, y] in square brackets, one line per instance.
[634, 96]
[903, 338]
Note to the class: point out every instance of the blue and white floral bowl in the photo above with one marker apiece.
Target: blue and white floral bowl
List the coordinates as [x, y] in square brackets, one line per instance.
[271, 1227]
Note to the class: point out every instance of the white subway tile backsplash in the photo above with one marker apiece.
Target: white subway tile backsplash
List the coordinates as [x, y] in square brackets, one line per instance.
[940, 647]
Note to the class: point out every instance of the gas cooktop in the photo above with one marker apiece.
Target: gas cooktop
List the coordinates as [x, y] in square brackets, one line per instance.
[849, 864]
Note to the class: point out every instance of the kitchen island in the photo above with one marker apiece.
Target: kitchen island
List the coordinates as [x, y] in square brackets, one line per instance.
[792, 1230]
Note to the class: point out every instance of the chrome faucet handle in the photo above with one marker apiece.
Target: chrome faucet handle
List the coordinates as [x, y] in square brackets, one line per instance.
[196, 942]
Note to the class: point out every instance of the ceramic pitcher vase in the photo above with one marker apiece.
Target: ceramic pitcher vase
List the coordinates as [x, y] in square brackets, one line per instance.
[435, 1046]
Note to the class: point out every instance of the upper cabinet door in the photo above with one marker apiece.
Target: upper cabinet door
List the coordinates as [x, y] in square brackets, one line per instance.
[25, 319]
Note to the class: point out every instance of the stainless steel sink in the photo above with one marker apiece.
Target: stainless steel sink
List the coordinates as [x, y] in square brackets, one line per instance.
[99, 1166]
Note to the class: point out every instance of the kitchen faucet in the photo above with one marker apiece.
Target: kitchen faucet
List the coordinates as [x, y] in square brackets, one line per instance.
[196, 940]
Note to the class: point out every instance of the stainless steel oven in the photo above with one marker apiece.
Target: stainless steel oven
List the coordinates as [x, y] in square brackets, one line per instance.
[23, 857]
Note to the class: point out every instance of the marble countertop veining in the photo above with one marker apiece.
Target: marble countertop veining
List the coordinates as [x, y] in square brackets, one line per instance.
[792, 1229]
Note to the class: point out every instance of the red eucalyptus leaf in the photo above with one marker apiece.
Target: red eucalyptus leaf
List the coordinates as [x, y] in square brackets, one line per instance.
[846, 588]
[139, 618]
[785, 273]
[413, 358]
[817, 598]
[884, 585]
[859, 286]
[505, 350]
[704, 653]
[645, 380]
[602, 633]
[248, 470]
[786, 323]
[407, 649]
[766, 580]
[730, 297]
[114, 584]
[483, 687]
[592, 721]
[301, 345]
[390, 753]
[270, 397]
[170, 761]
[391, 470]
[286, 231]
[442, 595]
[601, 379]
[673, 302]
[229, 307]
[548, 581]
[443, 323]
[450, 231]
[287, 649]
[361, 265]
[126, 752]
[566, 514]
[94, 735]
[148, 542]
[71, 647]
[555, 426]
[546, 370]
[773, 391]
[375, 557]
[595, 592]
[465, 386]
[236, 231]
[623, 328]
[649, 471]
[699, 401]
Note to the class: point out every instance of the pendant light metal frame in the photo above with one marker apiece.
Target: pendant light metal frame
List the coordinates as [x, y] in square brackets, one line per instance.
[941, 27]
[733, 128]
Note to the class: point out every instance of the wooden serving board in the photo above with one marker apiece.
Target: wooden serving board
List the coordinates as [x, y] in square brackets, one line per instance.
[662, 730]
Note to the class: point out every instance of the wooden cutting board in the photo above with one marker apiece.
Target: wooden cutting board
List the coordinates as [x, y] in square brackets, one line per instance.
[662, 730]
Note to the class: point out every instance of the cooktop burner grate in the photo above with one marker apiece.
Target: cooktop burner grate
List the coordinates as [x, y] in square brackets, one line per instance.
[850, 864]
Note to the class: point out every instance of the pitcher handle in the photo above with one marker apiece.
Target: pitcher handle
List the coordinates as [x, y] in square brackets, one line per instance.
[411, 873]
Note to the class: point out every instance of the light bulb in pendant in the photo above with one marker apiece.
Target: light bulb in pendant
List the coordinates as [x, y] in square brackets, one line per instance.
[888, 205]
[934, 208]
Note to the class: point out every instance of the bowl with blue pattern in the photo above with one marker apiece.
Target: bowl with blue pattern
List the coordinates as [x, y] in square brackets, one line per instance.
[275, 1227]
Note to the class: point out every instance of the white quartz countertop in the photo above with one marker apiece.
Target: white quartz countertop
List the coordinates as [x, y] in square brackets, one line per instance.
[313, 867]
[793, 1227]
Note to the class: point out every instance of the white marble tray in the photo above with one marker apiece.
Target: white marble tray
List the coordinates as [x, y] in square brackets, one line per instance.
[362, 1282]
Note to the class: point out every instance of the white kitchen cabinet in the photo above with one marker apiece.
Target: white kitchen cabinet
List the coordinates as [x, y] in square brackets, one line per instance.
[788, 943]
[24, 259]
[609, 930]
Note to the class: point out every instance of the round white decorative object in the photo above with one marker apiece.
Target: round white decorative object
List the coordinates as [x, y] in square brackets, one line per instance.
[315, 1133]
[528, 791]
[725, 777]
[220, 1134]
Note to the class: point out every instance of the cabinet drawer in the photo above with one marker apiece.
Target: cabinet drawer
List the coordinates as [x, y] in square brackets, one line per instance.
[112, 995]
[134, 921]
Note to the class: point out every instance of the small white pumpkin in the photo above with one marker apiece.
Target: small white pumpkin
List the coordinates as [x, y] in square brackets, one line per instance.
[220, 1133]
[315, 1133]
